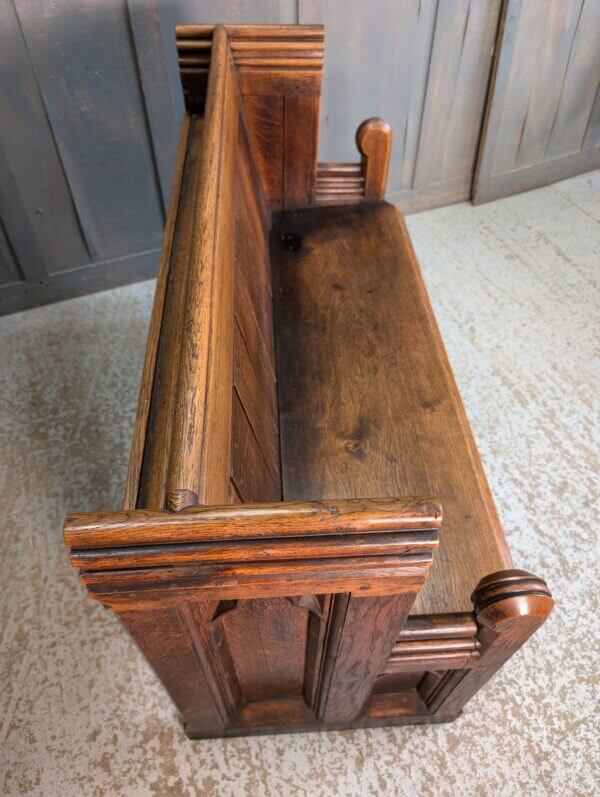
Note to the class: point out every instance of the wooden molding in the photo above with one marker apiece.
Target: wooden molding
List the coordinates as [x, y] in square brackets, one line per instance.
[435, 642]
[288, 519]
[279, 71]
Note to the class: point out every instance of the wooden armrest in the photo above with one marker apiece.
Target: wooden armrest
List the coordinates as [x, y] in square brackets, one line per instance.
[348, 183]
[283, 520]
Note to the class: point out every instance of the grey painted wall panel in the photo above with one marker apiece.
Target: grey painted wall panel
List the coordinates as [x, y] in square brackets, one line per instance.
[10, 272]
[542, 117]
[35, 201]
[162, 112]
[87, 73]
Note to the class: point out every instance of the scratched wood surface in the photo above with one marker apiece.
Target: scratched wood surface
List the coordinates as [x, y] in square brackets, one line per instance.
[367, 401]
[543, 118]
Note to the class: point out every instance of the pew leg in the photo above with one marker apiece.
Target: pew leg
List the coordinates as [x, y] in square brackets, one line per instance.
[359, 638]
[185, 649]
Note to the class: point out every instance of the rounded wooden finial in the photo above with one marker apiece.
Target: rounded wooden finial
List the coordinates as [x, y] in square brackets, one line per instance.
[508, 594]
[372, 135]
[374, 140]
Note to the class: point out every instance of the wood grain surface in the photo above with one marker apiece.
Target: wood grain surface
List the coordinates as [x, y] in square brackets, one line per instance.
[367, 399]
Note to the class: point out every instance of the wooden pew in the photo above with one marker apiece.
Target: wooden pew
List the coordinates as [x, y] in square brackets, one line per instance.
[297, 412]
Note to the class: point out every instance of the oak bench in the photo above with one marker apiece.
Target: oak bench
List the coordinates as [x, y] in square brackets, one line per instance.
[278, 557]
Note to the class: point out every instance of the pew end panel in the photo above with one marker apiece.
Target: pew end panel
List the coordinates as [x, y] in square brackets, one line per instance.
[293, 369]
[269, 606]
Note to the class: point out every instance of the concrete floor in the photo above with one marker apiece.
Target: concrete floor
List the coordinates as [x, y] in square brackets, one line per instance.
[515, 288]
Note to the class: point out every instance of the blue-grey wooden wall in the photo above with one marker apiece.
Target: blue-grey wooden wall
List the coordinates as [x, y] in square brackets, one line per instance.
[91, 108]
[543, 118]
[84, 162]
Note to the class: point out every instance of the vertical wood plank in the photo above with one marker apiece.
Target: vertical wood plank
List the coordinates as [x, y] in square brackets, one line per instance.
[459, 70]
[579, 103]
[178, 644]
[357, 625]
[36, 205]
[301, 132]
[9, 267]
[264, 115]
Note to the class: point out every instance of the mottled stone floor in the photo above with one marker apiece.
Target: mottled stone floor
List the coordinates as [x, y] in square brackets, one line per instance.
[514, 286]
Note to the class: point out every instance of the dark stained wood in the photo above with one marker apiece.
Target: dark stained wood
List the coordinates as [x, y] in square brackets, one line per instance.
[200, 447]
[251, 476]
[349, 183]
[267, 640]
[292, 715]
[158, 587]
[367, 400]
[258, 404]
[356, 625]
[279, 68]
[261, 614]
[180, 199]
[301, 135]
[402, 543]
[374, 141]
[171, 639]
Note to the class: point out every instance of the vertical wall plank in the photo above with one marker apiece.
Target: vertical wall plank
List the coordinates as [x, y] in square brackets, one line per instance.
[164, 116]
[544, 99]
[579, 101]
[83, 60]
[35, 202]
[9, 266]
[465, 32]
[89, 125]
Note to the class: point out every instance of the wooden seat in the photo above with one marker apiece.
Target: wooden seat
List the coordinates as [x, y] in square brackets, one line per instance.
[368, 404]
[299, 434]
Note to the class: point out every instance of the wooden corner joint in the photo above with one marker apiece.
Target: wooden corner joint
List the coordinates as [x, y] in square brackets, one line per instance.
[509, 606]
[269, 59]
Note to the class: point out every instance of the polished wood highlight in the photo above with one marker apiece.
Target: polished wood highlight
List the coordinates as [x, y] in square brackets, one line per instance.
[305, 514]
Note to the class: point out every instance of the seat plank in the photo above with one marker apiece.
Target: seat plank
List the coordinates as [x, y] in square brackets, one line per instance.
[367, 400]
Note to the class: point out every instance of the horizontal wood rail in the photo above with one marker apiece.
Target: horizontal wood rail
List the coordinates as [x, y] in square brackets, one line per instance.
[436, 642]
[251, 521]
